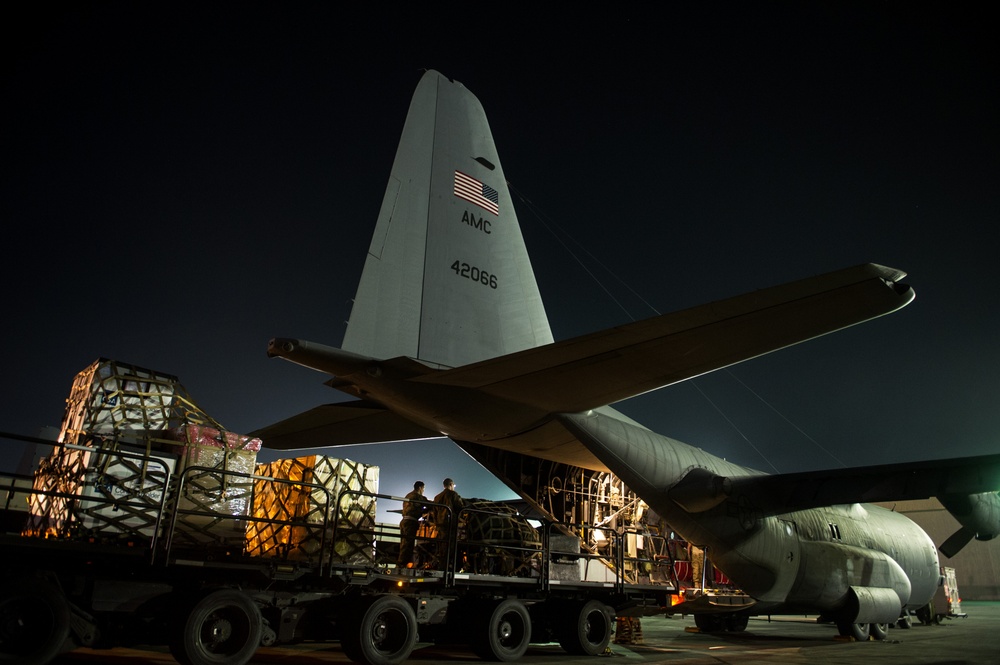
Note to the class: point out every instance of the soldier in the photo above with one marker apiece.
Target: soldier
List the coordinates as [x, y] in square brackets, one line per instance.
[697, 556]
[413, 510]
[446, 520]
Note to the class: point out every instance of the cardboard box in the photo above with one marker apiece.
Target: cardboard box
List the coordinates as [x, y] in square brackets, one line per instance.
[110, 396]
[108, 491]
[214, 501]
[298, 511]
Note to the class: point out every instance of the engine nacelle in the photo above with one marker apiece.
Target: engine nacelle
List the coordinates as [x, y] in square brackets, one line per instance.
[855, 584]
[872, 605]
[980, 513]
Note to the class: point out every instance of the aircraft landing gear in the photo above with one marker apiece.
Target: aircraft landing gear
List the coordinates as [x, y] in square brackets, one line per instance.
[861, 632]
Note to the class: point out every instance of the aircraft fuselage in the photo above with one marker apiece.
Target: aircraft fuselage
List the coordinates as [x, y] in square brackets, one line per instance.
[817, 559]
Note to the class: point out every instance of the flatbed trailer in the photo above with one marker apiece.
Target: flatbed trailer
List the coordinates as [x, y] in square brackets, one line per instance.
[211, 599]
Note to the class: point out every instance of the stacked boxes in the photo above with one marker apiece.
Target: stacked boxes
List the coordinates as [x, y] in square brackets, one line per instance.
[109, 397]
[306, 501]
[214, 501]
[109, 403]
[136, 430]
[123, 491]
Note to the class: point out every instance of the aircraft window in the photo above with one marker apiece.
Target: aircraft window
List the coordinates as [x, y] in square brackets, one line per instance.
[834, 531]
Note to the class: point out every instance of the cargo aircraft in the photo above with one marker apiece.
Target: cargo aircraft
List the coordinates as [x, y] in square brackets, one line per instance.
[448, 336]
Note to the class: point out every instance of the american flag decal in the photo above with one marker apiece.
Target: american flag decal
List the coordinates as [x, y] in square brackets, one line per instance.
[473, 191]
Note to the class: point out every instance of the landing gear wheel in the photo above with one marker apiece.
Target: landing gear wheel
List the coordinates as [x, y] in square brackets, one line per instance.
[905, 620]
[223, 627]
[383, 632]
[34, 622]
[503, 631]
[859, 631]
[878, 631]
[587, 631]
[926, 614]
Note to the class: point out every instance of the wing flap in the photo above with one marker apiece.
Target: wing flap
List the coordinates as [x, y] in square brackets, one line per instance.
[612, 365]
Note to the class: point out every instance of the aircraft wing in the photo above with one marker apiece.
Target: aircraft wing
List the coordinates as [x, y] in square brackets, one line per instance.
[788, 492]
[608, 366]
[506, 401]
[341, 424]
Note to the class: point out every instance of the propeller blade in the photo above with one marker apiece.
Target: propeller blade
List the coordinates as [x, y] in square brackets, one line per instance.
[957, 541]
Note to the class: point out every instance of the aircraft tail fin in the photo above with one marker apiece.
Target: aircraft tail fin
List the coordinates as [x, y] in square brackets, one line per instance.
[447, 280]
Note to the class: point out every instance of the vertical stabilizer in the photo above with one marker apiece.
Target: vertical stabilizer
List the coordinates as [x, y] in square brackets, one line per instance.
[447, 279]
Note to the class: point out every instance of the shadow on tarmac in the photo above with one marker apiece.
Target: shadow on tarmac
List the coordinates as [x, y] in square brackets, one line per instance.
[974, 640]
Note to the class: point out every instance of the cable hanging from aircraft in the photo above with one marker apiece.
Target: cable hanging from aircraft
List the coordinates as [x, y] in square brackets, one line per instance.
[551, 226]
[734, 426]
[564, 238]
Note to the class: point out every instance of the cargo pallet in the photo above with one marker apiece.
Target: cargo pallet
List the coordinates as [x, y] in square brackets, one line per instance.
[214, 562]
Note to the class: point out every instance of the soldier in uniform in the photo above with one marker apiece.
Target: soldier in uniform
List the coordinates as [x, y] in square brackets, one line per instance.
[446, 520]
[413, 510]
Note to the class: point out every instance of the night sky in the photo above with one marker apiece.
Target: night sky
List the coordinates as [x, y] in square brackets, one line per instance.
[183, 182]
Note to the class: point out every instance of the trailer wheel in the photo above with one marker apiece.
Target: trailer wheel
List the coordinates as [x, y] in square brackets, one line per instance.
[587, 631]
[502, 631]
[710, 623]
[223, 627]
[382, 632]
[737, 622]
[34, 621]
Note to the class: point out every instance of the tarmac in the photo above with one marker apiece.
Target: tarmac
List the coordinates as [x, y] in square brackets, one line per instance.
[973, 640]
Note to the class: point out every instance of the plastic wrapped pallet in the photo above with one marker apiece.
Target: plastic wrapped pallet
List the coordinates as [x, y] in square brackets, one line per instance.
[213, 501]
[124, 490]
[92, 491]
[110, 396]
[106, 399]
[500, 540]
[108, 492]
[310, 503]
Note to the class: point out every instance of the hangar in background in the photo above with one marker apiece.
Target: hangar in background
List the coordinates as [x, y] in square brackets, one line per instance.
[977, 566]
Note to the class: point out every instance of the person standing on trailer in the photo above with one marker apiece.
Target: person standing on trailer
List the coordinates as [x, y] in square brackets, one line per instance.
[446, 520]
[413, 510]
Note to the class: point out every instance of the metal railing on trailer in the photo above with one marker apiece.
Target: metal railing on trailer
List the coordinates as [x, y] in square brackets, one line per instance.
[231, 516]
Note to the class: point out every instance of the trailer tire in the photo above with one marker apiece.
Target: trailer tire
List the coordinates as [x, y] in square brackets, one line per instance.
[587, 631]
[34, 621]
[222, 627]
[502, 630]
[382, 632]
[710, 623]
[737, 622]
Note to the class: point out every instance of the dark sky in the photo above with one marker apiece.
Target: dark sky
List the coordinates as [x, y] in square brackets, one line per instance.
[183, 182]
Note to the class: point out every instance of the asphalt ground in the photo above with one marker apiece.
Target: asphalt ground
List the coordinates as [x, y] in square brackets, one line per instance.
[974, 639]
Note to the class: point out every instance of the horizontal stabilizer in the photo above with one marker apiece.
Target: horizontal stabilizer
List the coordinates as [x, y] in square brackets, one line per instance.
[608, 366]
[339, 425]
[888, 482]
